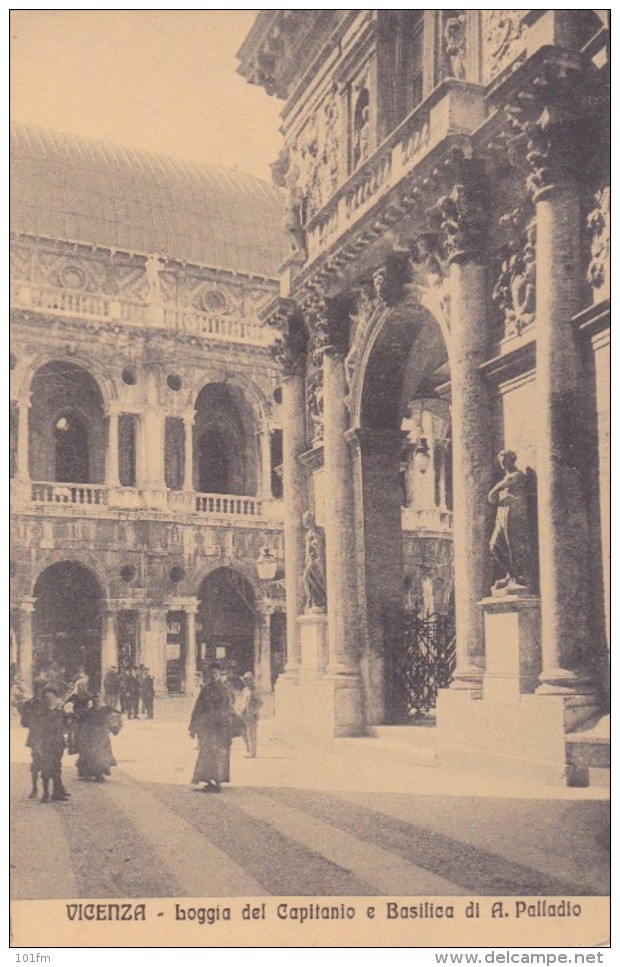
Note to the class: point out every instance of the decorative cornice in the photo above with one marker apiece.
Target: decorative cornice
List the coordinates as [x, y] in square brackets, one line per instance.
[511, 365]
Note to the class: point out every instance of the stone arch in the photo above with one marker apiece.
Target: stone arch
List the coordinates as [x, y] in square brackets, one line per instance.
[83, 558]
[108, 386]
[66, 397]
[400, 355]
[381, 351]
[225, 441]
[247, 570]
[68, 621]
[227, 620]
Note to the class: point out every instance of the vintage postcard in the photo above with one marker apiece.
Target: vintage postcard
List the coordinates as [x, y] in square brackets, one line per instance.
[310, 478]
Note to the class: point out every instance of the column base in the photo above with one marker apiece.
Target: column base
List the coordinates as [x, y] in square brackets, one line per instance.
[514, 729]
[313, 646]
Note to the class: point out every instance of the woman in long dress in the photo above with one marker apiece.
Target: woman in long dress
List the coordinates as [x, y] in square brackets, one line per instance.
[211, 723]
[96, 758]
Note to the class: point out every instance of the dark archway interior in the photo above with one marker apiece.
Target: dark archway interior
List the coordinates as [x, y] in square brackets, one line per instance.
[71, 449]
[67, 620]
[407, 361]
[67, 426]
[225, 625]
[225, 446]
[214, 476]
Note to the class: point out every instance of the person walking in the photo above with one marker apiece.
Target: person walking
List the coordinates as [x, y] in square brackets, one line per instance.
[147, 693]
[249, 708]
[211, 723]
[96, 758]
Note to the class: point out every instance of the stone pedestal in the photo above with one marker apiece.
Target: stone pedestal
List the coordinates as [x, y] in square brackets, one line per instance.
[512, 644]
[509, 730]
[314, 648]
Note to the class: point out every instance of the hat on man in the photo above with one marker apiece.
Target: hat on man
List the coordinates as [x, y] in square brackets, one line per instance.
[247, 677]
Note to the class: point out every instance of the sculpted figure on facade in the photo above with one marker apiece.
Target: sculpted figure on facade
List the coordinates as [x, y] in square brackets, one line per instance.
[314, 582]
[598, 224]
[511, 543]
[454, 39]
[292, 223]
[515, 290]
[153, 267]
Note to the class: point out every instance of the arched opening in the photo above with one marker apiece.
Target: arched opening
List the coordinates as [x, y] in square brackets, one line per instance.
[71, 449]
[225, 444]
[67, 426]
[67, 621]
[406, 495]
[226, 621]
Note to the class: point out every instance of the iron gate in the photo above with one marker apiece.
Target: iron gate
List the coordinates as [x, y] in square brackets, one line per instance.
[423, 659]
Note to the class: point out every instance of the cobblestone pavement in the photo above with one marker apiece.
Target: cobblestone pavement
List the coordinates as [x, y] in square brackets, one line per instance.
[287, 825]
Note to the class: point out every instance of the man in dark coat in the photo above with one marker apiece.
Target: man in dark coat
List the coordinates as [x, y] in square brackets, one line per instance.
[47, 741]
[211, 722]
[133, 695]
[147, 693]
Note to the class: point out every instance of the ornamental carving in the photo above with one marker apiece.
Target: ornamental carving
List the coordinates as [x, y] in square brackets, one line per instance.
[454, 37]
[598, 224]
[463, 211]
[289, 352]
[515, 290]
[503, 39]
[310, 168]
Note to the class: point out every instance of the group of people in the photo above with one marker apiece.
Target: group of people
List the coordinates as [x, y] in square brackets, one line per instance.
[216, 721]
[76, 718]
[132, 691]
[78, 722]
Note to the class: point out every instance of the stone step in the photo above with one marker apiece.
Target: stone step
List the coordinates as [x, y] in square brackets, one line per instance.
[588, 755]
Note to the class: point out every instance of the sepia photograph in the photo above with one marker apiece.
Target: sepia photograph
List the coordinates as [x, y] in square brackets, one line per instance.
[310, 478]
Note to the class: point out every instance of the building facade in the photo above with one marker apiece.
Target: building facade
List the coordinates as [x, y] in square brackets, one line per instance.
[145, 422]
[445, 299]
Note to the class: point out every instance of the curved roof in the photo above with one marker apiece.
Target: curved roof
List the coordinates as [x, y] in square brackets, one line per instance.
[79, 190]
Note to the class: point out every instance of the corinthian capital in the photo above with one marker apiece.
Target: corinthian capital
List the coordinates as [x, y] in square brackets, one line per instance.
[328, 323]
[463, 211]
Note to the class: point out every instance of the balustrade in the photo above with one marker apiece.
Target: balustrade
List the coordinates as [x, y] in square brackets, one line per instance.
[94, 306]
[228, 505]
[60, 493]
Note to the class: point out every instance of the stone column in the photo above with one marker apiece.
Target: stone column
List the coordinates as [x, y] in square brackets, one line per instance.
[109, 645]
[343, 631]
[112, 478]
[25, 653]
[23, 436]
[562, 521]
[265, 463]
[188, 424]
[295, 503]
[153, 438]
[472, 464]
[153, 644]
[190, 651]
[379, 537]
[463, 213]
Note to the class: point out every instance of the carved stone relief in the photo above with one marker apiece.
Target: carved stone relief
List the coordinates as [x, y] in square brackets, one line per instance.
[515, 290]
[598, 224]
[503, 39]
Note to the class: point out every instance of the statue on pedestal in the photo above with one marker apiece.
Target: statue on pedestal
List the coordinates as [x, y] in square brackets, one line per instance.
[511, 543]
[315, 594]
